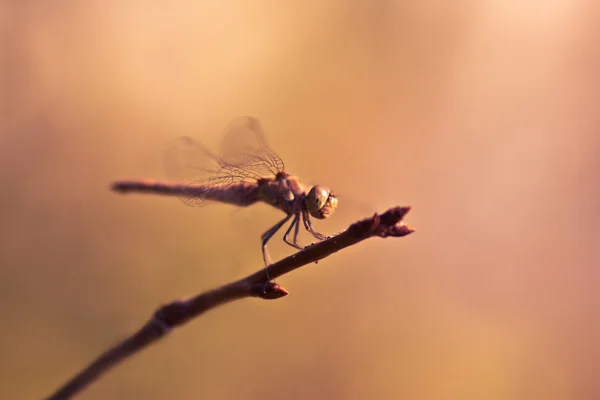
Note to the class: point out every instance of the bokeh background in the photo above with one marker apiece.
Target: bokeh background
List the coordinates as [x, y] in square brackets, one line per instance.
[482, 115]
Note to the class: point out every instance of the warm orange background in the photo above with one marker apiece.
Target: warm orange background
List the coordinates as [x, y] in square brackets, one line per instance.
[482, 115]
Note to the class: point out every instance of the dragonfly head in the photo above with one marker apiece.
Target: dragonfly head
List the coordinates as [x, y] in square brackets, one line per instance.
[320, 202]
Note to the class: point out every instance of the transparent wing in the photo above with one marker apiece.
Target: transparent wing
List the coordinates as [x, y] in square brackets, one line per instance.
[245, 157]
[245, 146]
[190, 163]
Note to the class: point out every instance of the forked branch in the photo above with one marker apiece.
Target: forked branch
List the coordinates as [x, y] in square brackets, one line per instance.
[254, 285]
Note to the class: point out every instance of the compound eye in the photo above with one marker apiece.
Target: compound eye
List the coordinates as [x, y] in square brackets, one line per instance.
[316, 198]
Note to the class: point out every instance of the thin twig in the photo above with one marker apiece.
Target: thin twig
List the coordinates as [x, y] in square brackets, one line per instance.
[254, 285]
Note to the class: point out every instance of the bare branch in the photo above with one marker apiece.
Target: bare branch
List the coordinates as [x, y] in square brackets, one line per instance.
[255, 285]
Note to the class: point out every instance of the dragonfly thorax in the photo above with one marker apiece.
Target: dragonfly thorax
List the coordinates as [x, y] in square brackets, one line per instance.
[320, 202]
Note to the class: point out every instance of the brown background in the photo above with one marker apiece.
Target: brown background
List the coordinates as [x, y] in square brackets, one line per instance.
[482, 115]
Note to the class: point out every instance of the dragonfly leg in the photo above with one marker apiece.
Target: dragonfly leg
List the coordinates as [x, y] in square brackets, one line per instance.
[287, 233]
[309, 227]
[296, 232]
[268, 235]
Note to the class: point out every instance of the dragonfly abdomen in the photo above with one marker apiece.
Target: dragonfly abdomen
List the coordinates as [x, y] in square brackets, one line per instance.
[241, 194]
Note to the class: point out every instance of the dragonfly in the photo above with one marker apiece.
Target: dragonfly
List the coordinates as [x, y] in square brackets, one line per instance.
[246, 171]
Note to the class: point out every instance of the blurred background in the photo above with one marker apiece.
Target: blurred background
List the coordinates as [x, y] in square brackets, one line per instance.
[481, 115]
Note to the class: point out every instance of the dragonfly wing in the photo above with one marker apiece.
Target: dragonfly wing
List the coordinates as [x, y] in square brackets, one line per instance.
[245, 156]
[246, 147]
[188, 162]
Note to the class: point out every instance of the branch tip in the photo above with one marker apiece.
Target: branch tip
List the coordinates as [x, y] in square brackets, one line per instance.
[396, 231]
[387, 224]
[394, 215]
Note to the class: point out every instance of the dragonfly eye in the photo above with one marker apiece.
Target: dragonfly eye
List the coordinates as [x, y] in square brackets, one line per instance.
[320, 202]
